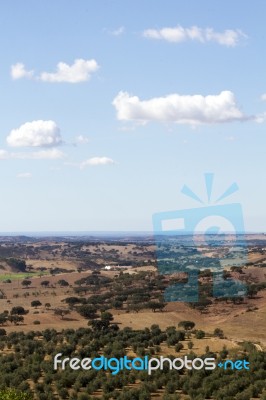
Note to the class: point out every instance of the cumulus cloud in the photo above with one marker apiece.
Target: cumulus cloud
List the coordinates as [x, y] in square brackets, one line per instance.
[263, 97]
[80, 71]
[35, 134]
[95, 161]
[80, 139]
[180, 34]
[24, 175]
[19, 71]
[50, 154]
[181, 109]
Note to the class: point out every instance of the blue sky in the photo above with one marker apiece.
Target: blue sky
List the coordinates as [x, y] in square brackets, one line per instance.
[109, 107]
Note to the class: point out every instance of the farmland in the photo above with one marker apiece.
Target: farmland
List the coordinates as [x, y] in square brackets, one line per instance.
[65, 289]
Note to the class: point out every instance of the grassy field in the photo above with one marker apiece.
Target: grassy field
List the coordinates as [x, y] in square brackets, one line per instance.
[20, 275]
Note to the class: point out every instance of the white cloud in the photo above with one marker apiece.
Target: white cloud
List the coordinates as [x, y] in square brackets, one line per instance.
[182, 109]
[229, 37]
[82, 139]
[4, 155]
[263, 97]
[260, 118]
[118, 32]
[35, 134]
[50, 154]
[19, 71]
[80, 71]
[95, 161]
[24, 175]
[179, 34]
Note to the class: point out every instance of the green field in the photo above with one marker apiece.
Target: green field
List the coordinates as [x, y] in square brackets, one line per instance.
[20, 275]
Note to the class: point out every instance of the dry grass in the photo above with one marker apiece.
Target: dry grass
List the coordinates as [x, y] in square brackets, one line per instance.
[236, 322]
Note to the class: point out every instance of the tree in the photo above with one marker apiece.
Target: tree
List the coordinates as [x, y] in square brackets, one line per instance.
[26, 282]
[36, 303]
[16, 319]
[3, 318]
[99, 325]
[224, 352]
[178, 347]
[63, 282]
[218, 332]
[155, 305]
[87, 311]
[18, 310]
[45, 283]
[47, 305]
[155, 330]
[200, 334]
[107, 316]
[170, 330]
[62, 312]
[72, 301]
[187, 325]
[12, 394]
[190, 345]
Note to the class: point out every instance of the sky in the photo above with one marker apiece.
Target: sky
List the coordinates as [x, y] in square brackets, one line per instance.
[108, 108]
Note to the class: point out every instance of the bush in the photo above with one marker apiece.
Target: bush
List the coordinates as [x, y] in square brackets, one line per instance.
[200, 334]
[36, 322]
[187, 325]
[218, 332]
[36, 303]
[12, 394]
[178, 347]
[190, 345]
[2, 332]
[18, 310]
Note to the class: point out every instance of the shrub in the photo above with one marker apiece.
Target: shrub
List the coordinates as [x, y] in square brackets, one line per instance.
[218, 332]
[18, 310]
[200, 334]
[187, 325]
[178, 347]
[36, 303]
[12, 394]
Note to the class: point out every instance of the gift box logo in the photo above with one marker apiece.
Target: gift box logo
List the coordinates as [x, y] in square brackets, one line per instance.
[192, 240]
